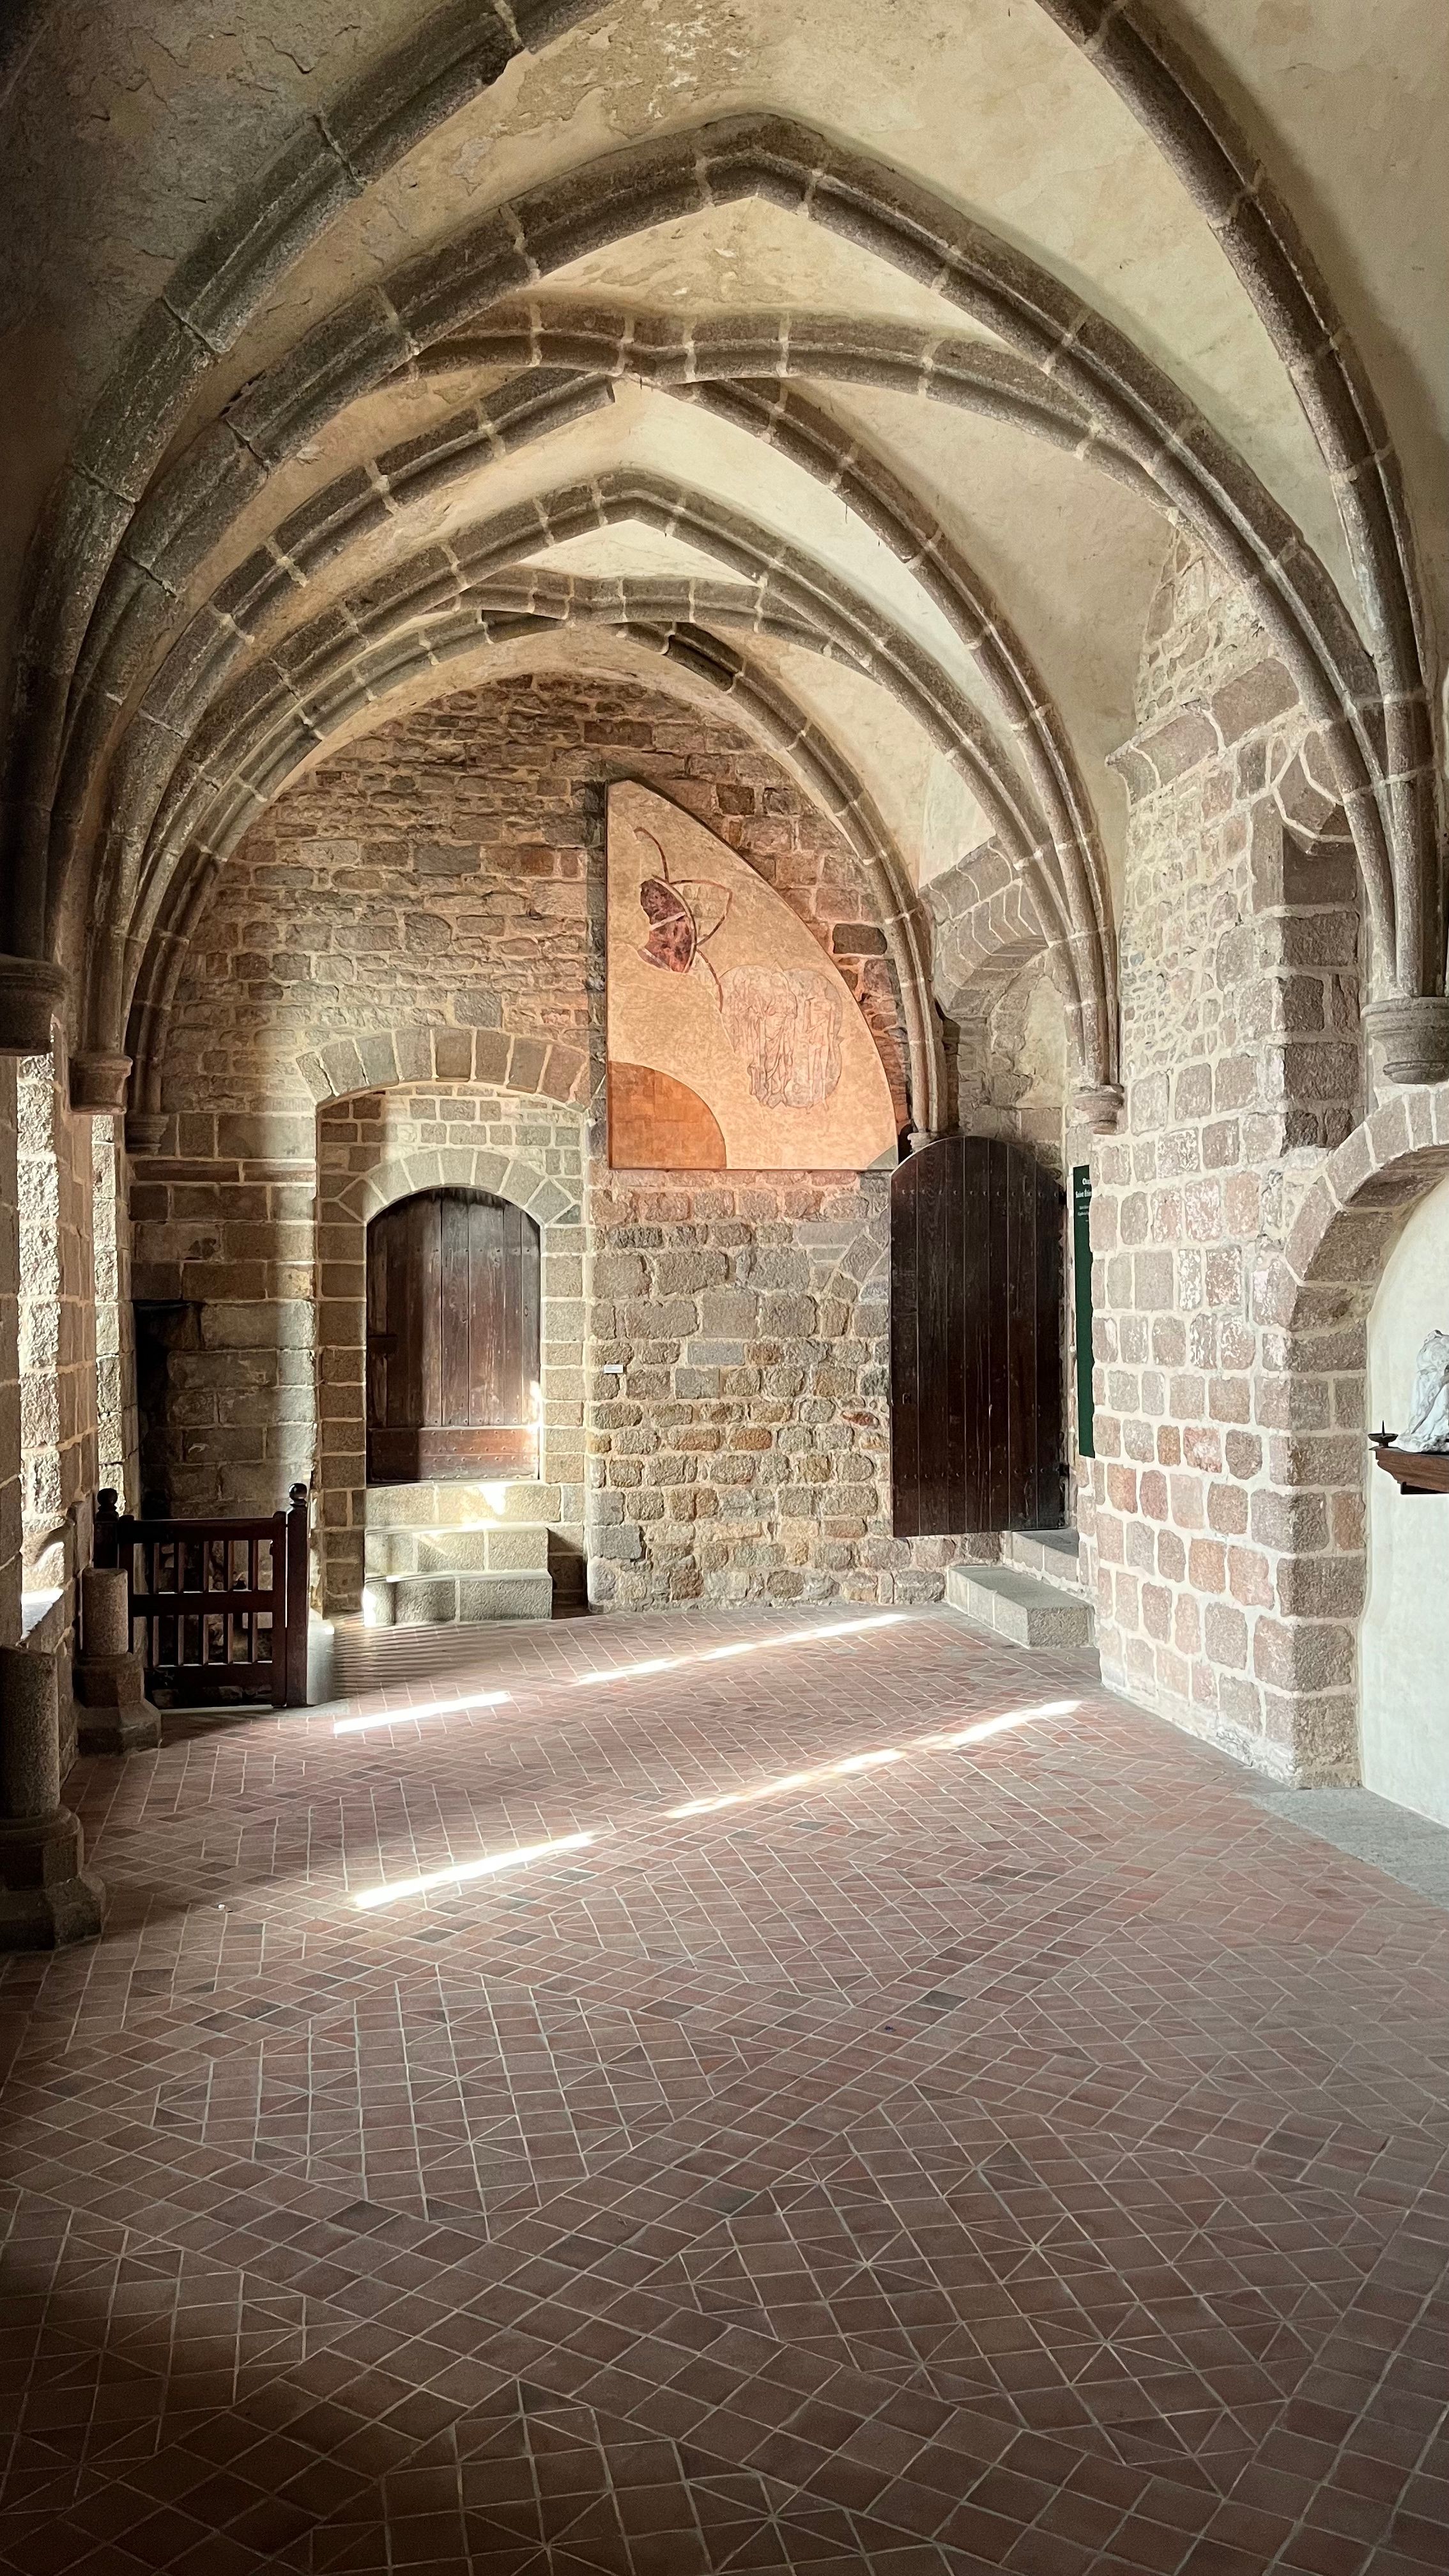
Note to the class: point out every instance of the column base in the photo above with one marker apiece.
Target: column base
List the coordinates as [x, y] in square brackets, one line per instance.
[48, 1898]
[113, 1714]
[118, 1730]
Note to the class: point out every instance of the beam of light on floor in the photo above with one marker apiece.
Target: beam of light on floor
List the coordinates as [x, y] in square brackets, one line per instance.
[745, 1646]
[989, 1726]
[854, 1763]
[633, 1672]
[464, 1871]
[745, 1797]
[618, 1673]
[850, 1766]
[432, 1708]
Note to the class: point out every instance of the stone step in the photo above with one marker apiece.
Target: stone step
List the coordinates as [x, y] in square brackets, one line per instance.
[444, 1600]
[1022, 1607]
[1053, 1554]
[441, 1503]
[506, 1547]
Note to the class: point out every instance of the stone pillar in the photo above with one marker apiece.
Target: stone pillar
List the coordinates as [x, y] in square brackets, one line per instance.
[47, 1896]
[109, 1681]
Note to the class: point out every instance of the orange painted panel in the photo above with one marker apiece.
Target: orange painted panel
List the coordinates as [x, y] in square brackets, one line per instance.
[717, 987]
[659, 1125]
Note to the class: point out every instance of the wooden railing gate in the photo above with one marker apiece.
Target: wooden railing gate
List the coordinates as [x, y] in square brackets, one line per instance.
[223, 1602]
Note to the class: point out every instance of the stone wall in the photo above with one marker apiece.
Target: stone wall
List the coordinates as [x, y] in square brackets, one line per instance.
[740, 1379]
[11, 1542]
[439, 886]
[223, 1276]
[443, 868]
[429, 1010]
[1004, 1021]
[57, 1349]
[117, 1426]
[1239, 961]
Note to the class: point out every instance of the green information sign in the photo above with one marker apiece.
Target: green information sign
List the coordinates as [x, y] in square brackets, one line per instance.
[1082, 1297]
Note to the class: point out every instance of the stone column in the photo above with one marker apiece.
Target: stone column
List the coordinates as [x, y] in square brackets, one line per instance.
[114, 1714]
[47, 1895]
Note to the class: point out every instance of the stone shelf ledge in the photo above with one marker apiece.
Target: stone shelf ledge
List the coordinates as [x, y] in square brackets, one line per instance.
[1414, 1471]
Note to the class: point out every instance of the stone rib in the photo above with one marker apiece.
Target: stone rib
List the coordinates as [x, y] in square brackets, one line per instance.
[1122, 391]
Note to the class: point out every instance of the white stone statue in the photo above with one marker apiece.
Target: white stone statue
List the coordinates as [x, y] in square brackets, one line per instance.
[1428, 1426]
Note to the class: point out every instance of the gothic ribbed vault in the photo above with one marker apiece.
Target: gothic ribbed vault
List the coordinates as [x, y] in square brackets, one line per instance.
[468, 320]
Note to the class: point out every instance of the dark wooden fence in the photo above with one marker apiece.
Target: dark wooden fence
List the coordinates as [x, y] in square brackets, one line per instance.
[223, 1602]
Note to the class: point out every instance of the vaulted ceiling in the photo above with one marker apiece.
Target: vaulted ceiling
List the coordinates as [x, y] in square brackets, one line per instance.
[858, 361]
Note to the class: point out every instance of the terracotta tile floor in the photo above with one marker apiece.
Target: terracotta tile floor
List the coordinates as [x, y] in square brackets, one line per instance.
[1022, 2150]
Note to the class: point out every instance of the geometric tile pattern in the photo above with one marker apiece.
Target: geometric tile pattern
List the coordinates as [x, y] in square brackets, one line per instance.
[922, 2115]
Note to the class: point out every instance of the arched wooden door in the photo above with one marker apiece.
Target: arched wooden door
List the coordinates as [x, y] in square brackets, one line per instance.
[976, 1340]
[452, 1339]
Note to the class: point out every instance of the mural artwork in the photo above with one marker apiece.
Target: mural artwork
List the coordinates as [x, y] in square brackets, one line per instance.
[734, 1042]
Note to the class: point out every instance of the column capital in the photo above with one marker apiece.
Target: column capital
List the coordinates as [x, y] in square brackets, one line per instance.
[98, 1082]
[33, 992]
[1099, 1107]
[1413, 1031]
[146, 1130]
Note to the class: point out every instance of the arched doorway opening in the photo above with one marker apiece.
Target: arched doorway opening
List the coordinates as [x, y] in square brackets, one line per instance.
[452, 1339]
[1346, 1308]
[1403, 1704]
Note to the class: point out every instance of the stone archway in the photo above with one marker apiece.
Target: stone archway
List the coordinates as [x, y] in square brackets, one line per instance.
[1314, 1301]
[384, 1145]
[375, 1059]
